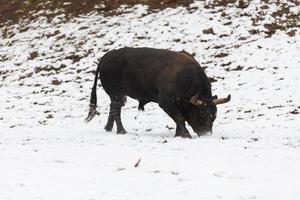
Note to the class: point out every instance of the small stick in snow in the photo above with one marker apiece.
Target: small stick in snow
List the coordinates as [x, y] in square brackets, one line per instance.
[138, 162]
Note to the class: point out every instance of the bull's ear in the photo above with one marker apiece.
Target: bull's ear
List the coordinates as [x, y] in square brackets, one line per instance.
[195, 100]
[215, 97]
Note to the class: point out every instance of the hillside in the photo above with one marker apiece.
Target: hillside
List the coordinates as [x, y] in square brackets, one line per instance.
[47, 67]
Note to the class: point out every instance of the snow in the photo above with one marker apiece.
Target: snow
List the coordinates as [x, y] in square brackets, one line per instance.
[48, 152]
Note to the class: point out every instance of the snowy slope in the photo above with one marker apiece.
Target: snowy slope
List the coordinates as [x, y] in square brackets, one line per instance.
[48, 152]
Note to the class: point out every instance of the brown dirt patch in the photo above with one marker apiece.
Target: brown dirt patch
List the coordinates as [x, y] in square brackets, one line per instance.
[12, 11]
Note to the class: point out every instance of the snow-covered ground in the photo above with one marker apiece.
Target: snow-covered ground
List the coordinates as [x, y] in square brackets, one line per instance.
[48, 152]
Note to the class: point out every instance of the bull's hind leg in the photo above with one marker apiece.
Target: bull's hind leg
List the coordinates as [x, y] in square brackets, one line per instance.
[115, 114]
[110, 122]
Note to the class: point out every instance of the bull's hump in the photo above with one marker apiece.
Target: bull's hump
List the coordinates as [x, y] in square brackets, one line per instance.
[186, 58]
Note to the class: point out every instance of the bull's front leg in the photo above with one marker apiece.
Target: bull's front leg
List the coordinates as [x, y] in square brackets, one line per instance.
[181, 130]
[170, 108]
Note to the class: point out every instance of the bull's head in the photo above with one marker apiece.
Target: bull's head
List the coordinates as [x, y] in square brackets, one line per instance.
[202, 113]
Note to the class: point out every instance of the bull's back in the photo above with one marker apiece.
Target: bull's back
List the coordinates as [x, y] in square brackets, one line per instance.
[142, 72]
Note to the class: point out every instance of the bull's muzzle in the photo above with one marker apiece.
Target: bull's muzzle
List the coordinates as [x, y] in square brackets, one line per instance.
[203, 133]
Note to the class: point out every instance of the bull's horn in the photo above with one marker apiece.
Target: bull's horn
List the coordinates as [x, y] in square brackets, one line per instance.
[222, 100]
[194, 100]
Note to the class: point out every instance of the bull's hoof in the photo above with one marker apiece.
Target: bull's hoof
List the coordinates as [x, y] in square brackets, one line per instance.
[181, 131]
[122, 132]
[108, 128]
[183, 134]
[186, 135]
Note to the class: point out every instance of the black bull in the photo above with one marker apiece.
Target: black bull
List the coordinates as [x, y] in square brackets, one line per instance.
[174, 80]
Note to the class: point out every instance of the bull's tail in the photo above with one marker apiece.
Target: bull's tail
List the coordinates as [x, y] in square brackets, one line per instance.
[93, 101]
